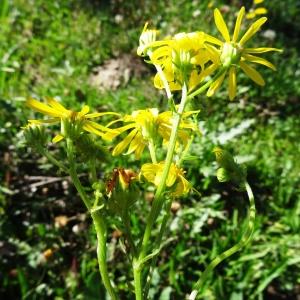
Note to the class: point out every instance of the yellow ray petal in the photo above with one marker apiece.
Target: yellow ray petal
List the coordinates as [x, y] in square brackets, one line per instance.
[182, 187]
[136, 141]
[215, 85]
[261, 50]
[113, 122]
[252, 30]
[213, 53]
[158, 177]
[158, 82]
[57, 138]
[85, 109]
[258, 1]
[159, 54]
[123, 144]
[56, 105]
[43, 108]
[252, 74]
[139, 150]
[213, 40]
[221, 25]
[232, 83]
[101, 127]
[172, 176]
[259, 60]
[48, 121]
[100, 114]
[238, 23]
[90, 128]
[149, 170]
[208, 71]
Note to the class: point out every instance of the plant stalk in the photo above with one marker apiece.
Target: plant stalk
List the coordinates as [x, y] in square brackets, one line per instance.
[97, 220]
[247, 236]
[101, 253]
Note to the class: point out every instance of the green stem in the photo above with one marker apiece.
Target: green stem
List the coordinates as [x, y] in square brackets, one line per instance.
[137, 280]
[101, 252]
[97, 219]
[247, 235]
[151, 147]
[207, 84]
[158, 199]
[52, 159]
[157, 243]
[74, 175]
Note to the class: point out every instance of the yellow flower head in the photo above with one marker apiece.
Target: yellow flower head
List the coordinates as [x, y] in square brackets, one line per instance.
[77, 120]
[234, 54]
[153, 173]
[145, 126]
[182, 58]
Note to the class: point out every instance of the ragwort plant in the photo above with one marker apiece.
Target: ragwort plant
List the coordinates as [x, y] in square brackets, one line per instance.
[189, 64]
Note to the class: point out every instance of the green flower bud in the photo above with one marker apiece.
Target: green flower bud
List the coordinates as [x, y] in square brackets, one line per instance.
[121, 190]
[71, 127]
[35, 135]
[229, 170]
[222, 175]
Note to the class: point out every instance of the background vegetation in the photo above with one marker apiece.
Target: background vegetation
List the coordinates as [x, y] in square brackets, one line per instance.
[78, 51]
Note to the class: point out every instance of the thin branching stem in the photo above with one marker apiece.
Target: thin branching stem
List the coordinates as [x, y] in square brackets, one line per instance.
[247, 236]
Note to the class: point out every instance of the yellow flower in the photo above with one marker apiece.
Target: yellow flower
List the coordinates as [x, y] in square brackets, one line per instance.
[77, 120]
[153, 173]
[145, 125]
[256, 11]
[182, 58]
[234, 54]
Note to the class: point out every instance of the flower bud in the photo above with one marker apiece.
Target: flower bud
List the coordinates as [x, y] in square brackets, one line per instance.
[121, 191]
[35, 135]
[222, 175]
[229, 170]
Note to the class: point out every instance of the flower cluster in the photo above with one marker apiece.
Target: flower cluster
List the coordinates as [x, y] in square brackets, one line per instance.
[191, 57]
[145, 126]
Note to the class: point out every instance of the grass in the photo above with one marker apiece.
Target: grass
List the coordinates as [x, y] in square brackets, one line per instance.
[50, 49]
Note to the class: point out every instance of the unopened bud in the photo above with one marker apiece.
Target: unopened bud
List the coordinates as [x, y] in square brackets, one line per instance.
[223, 175]
[35, 135]
[229, 170]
